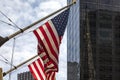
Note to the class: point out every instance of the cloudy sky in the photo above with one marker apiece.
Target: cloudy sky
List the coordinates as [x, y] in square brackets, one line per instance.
[23, 13]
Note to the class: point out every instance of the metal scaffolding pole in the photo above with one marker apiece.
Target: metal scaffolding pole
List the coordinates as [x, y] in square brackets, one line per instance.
[14, 68]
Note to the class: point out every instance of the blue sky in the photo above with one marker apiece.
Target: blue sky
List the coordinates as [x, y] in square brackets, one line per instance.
[23, 13]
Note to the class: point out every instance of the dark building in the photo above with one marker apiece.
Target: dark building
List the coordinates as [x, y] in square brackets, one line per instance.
[25, 76]
[104, 22]
[73, 68]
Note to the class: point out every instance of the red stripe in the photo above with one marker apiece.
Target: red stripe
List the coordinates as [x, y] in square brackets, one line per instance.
[44, 57]
[53, 35]
[51, 76]
[49, 62]
[47, 70]
[48, 76]
[48, 56]
[37, 70]
[31, 70]
[52, 69]
[48, 42]
[40, 50]
[41, 65]
[41, 42]
[36, 34]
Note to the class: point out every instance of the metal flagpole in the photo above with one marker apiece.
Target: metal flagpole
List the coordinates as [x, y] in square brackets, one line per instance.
[1, 75]
[5, 73]
[3, 40]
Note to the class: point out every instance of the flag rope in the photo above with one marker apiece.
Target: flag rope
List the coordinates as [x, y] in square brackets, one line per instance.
[7, 23]
[15, 25]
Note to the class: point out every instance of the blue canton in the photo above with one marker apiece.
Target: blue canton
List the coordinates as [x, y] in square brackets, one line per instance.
[60, 22]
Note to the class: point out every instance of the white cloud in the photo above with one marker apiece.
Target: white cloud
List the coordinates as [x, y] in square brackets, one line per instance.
[23, 13]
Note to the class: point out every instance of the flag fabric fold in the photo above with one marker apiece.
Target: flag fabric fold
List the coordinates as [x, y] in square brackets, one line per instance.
[37, 70]
[49, 37]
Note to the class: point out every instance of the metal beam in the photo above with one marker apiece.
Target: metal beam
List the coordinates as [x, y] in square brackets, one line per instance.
[5, 73]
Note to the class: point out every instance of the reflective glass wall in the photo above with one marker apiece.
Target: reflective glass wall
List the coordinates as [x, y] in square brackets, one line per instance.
[73, 43]
[104, 22]
[104, 26]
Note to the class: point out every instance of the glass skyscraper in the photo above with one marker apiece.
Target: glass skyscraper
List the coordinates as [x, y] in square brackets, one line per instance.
[25, 76]
[104, 22]
[73, 42]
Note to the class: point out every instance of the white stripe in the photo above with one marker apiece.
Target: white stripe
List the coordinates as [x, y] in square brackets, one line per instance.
[49, 66]
[42, 54]
[54, 31]
[50, 70]
[46, 45]
[35, 72]
[50, 39]
[46, 60]
[40, 69]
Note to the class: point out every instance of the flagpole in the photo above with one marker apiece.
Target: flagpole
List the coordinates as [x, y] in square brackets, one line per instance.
[3, 40]
[1, 75]
[5, 73]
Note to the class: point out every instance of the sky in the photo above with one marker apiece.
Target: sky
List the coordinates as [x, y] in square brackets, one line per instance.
[23, 13]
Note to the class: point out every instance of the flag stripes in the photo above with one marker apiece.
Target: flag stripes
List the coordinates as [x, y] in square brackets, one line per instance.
[48, 65]
[49, 38]
[53, 33]
[48, 44]
[37, 70]
[51, 76]
[51, 48]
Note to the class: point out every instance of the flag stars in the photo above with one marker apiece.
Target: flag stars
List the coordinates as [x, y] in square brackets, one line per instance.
[60, 22]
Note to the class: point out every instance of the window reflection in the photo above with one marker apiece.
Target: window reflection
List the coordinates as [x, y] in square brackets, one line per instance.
[105, 34]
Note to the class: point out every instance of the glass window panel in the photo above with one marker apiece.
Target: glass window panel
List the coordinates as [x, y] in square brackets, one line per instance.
[105, 1]
[116, 3]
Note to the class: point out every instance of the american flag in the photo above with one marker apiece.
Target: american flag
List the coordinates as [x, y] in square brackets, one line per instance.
[37, 70]
[49, 38]
[48, 65]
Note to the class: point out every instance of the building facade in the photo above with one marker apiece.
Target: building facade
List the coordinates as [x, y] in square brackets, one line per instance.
[104, 22]
[73, 42]
[73, 70]
[25, 76]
